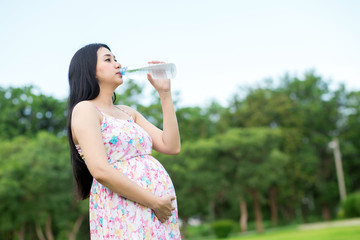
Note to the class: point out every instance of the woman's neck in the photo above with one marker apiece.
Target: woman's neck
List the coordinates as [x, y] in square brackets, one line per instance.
[104, 99]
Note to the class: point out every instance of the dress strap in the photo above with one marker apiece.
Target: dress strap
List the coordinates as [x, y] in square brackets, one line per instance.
[102, 113]
[123, 110]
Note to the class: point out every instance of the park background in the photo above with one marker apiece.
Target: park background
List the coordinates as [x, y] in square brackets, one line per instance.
[262, 89]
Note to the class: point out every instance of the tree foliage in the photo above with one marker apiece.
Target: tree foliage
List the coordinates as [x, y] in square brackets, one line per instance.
[36, 185]
[24, 112]
[267, 151]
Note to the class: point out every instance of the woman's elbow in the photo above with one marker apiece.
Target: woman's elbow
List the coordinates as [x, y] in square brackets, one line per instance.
[176, 151]
[99, 174]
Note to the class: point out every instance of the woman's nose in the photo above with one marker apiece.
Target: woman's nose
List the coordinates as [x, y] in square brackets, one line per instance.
[117, 65]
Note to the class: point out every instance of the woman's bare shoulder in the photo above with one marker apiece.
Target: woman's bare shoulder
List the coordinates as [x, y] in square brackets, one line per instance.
[84, 110]
[84, 106]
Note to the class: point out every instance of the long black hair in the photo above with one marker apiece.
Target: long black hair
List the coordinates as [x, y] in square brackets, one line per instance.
[83, 86]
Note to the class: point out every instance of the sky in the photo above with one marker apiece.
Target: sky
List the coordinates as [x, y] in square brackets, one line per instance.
[218, 46]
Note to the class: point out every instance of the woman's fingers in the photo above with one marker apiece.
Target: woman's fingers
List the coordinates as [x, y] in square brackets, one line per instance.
[165, 212]
[149, 77]
[155, 62]
[165, 217]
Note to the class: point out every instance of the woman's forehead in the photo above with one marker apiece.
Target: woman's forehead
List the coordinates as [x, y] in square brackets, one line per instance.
[103, 51]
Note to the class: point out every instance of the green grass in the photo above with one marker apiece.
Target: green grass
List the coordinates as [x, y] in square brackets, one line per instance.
[335, 233]
[292, 233]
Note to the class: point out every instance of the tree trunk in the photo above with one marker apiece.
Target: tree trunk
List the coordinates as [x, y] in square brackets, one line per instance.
[243, 215]
[273, 206]
[285, 213]
[21, 233]
[326, 212]
[76, 228]
[183, 228]
[39, 232]
[48, 231]
[211, 211]
[257, 209]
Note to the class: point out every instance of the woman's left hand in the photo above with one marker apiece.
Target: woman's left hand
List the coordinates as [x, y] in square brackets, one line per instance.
[161, 85]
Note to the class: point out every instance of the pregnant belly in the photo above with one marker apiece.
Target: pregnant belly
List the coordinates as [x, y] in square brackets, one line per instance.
[147, 172]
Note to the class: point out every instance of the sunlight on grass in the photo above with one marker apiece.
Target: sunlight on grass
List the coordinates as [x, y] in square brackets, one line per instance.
[336, 233]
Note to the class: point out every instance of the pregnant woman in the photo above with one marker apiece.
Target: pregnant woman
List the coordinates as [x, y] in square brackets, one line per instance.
[131, 194]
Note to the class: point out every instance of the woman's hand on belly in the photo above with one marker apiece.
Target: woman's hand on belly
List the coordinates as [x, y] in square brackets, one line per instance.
[163, 207]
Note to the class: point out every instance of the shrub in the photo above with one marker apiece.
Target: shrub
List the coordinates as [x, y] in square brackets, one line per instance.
[351, 205]
[222, 228]
[198, 231]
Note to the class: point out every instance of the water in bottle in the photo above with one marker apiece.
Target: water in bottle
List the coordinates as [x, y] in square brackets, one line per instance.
[157, 71]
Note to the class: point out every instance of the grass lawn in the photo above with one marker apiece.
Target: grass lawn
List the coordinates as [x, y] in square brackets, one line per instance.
[294, 233]
[334, 233]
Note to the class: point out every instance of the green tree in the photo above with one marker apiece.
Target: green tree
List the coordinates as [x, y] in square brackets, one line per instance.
[26, 112]
[257, 163]
[310, 113]
[196, 178]
[318, 107]
[36, 188]
[13, 197]
[201, 122]
[350, 141]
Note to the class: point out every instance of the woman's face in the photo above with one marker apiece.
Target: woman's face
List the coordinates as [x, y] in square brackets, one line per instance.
[107, 68]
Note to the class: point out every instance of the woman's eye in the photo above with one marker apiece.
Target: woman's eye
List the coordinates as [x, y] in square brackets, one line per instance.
[108, 59]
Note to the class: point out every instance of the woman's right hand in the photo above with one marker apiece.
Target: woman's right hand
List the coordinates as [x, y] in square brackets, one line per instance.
[163, 207]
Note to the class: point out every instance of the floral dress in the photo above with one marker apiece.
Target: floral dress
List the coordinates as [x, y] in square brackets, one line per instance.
[112, 216]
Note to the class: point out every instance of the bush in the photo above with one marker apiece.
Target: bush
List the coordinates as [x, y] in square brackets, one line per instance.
[198, 231]
[351, 205]
[222, 228]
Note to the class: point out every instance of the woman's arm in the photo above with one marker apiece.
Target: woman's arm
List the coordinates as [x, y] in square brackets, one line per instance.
[165, 141]
[87, 132]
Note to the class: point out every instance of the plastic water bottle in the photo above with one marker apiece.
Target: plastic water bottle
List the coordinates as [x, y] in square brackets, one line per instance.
[157, 71]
